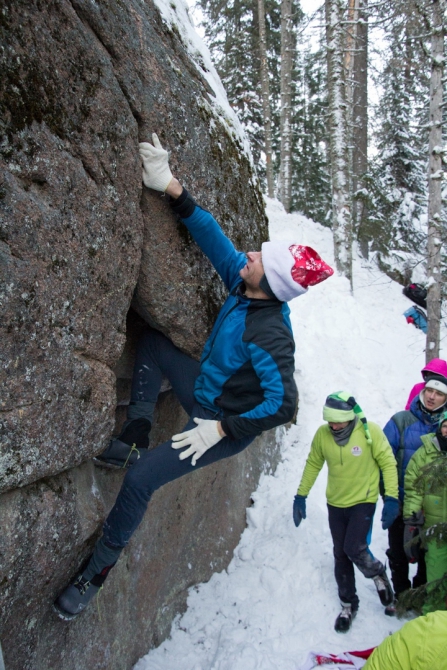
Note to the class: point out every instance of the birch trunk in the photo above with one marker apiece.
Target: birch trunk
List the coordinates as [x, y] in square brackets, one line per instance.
[360, 125]
[435, 174]
[339, 146]
[265, 88]
[287, 51]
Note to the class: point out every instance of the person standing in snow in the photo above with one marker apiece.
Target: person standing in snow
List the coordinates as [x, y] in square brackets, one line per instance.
[404, 432]
[436, 366]
[428, 507]
[242, 386]
[355, 452]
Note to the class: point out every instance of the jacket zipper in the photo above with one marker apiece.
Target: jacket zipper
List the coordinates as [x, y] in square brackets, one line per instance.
[217, 331]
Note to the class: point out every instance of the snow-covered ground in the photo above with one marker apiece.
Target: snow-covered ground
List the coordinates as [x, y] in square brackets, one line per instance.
[278, 599]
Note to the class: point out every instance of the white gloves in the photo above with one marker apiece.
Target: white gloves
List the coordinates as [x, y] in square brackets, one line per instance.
[201, 439]
[156, 172]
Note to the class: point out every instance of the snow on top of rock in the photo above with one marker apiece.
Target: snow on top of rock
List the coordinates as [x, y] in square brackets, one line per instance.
[175, 14]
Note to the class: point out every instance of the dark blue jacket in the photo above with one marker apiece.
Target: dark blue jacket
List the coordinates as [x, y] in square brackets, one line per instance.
[247, 363]
[404, 431]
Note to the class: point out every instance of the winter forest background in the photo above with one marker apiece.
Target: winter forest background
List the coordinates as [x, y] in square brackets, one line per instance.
[343, 105]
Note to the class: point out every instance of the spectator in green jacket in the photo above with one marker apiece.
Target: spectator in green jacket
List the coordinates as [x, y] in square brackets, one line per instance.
[421, 644]
[355, 452]
[428, 507]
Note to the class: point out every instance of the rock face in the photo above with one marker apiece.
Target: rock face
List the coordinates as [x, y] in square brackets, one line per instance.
[82, 83]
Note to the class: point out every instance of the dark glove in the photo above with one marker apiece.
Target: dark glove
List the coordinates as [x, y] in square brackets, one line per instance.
[390, 511]
[299, 509]
[412, 540]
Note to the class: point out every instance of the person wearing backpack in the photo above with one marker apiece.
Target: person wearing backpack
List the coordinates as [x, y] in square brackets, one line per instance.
[404, 432]
[356, 452]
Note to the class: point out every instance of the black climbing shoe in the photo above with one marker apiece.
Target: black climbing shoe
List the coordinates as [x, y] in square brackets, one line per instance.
[124, 450]
[344, 620]
[78, 594]
[384, 589]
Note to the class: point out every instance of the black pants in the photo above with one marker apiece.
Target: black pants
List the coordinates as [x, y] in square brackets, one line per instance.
[399, 561]
[157, 356]
[350, 527]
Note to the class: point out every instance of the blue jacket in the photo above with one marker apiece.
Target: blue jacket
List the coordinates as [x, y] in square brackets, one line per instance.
[247, 364]
[404, 431]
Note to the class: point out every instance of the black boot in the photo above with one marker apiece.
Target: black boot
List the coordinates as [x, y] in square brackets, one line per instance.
[78, 594]
[384, 588]
[124, 450]
[344, 620]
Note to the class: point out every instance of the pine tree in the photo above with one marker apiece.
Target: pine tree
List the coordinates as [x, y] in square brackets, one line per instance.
[310, 156]
[433, 477]
[232, 35]
[397, 179]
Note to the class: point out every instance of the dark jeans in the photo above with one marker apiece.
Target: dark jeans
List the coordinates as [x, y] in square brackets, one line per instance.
[399, 561]
[350, 528]
[158, 356]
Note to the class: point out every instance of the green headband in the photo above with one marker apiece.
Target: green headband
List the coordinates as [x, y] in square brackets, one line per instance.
[333, 415]
[345, 398]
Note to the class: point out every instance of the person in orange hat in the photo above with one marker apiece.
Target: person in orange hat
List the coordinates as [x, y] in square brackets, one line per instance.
[242, 386]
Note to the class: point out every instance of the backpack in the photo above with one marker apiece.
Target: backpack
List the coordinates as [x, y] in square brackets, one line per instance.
[417, 294]
[417, 317]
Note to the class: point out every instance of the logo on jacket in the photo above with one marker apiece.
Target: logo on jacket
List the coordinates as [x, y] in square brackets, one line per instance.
[356, 451]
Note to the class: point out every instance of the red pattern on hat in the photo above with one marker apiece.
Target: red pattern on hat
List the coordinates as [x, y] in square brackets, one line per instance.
[309, 268]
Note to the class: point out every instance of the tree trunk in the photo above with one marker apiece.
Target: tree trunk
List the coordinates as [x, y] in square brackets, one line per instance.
[266, 100]
[287, 51]
[338, 131]
[435, 174]
[360, 126]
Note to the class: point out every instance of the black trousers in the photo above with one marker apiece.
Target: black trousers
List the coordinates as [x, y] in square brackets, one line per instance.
[350, 527]
[399, 561]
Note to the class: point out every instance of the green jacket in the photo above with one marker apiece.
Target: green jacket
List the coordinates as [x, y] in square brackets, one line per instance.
[433, 506]
[421, 644]
[354, 469]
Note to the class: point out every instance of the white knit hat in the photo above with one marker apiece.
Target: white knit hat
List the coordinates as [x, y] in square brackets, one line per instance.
[437, 385]
[290, 268]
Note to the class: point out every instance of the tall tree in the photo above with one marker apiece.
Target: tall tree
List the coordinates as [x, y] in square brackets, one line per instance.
[266, 98]
[339, 145]
[287, 57]
[397, 178]
[435, 175]
[310, 156]
[359, 121]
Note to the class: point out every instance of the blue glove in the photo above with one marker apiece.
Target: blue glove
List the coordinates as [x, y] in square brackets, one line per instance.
[390, 511]
[299, 509]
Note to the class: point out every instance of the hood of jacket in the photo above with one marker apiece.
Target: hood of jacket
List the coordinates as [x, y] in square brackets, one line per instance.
[437, 365]
[428, 444]
[428, 418]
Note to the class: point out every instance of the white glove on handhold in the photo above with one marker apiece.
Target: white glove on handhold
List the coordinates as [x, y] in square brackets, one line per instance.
[201, 439]
[156, 172]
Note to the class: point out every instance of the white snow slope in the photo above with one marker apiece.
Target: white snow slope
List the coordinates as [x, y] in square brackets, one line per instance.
[278, 599]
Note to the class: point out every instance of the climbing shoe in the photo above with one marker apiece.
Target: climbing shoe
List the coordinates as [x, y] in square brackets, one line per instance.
[125, 450]
[344, 620]
[78, 594]
[384, 588]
